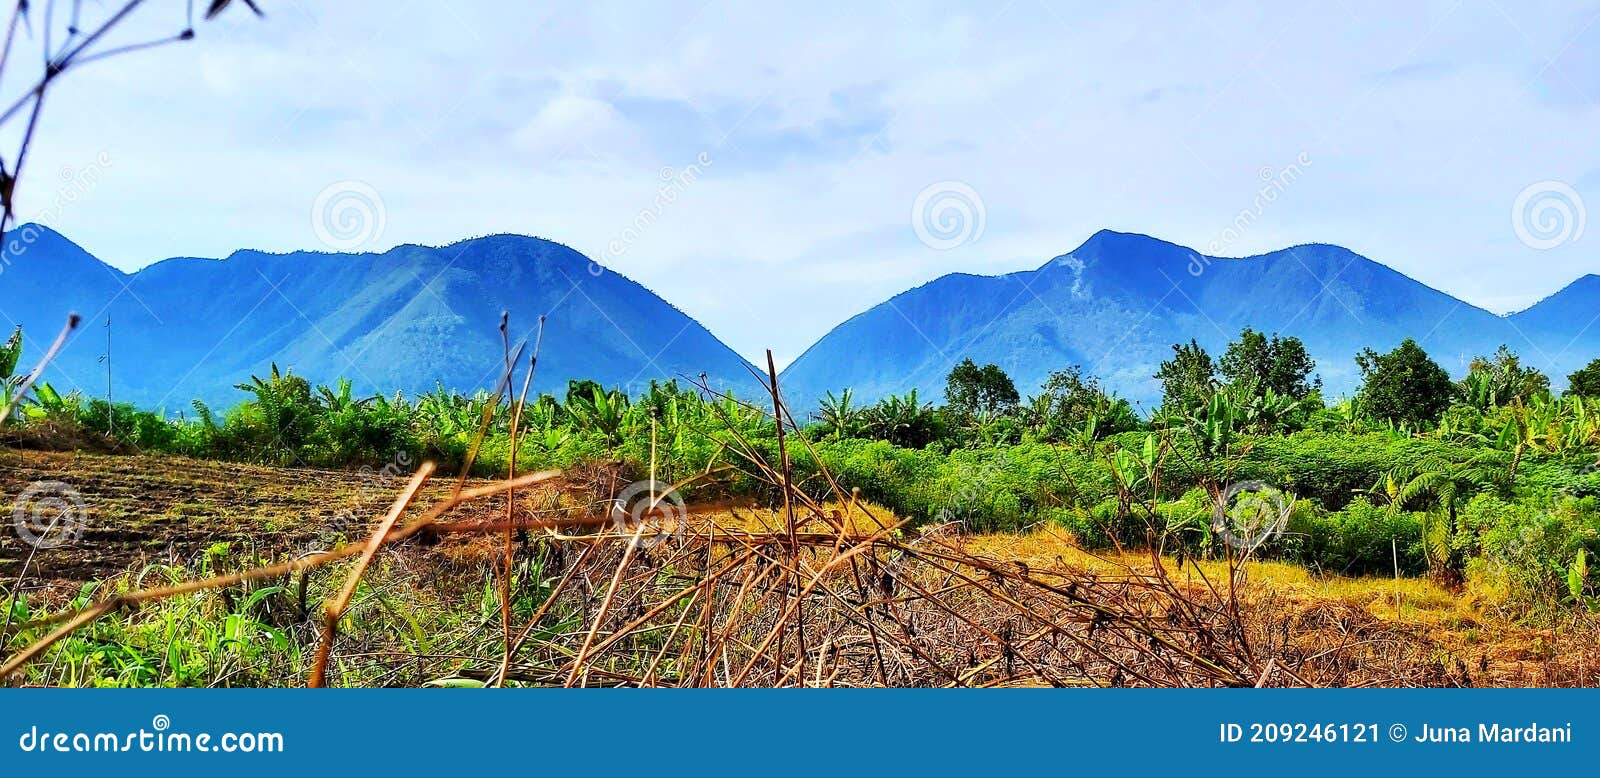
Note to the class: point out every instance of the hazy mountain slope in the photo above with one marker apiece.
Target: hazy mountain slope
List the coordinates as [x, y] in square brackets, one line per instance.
[1117, 303]
[404, 319]
[1566, 325]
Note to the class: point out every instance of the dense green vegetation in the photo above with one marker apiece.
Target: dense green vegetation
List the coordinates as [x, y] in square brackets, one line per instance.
[1492, 480]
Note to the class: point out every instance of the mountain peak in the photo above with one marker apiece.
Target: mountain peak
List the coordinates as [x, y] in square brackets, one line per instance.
[37, 228]
[30, 233]
[408, 319]
[1575, 300]
[1117, 303]
[1126, 247]
[55, 254]
[1108, 239]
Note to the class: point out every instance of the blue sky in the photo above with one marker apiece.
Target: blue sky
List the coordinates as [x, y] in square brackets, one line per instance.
[813, 131]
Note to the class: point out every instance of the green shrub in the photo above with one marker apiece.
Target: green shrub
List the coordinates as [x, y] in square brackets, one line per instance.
[1359, 539]
[1524, 550]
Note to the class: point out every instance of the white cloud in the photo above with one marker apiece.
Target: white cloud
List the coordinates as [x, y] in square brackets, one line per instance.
[569, 122]
[1423, 121]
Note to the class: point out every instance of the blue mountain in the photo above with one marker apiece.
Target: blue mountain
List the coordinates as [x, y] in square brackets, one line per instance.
[416, 316]
[406, 319]
[1566, 325]
[1116, 304]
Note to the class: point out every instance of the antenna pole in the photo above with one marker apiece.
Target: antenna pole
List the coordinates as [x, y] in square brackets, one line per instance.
[110, 416]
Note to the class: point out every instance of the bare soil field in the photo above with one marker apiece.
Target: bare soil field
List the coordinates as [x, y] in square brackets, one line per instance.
[144, 509]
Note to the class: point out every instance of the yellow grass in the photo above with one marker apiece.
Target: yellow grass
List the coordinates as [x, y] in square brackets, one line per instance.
[1415, 601]
[859, 517]
[1410, 600]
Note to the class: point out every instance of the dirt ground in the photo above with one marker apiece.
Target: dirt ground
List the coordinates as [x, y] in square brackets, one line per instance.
[138, 510]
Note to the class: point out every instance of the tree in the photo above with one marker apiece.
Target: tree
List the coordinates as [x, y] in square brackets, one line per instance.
[282, 417]
[1404, 385]
[1070, 401]
[1502, 380]
[1187, 380]
[1278, 364]
[970, 390]
[1585, 382]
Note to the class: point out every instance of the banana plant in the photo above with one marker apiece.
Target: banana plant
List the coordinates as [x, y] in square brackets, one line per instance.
[342, 399]
[49, 403]
[603, 412]
[1214, 429]
[547, 434]
[1089, 432]
[1135, 472]
[1535, 425]
[839, 416]
[10, 382]
[1578, 582]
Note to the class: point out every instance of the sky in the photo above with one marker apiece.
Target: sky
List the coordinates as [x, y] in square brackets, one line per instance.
[773, 169]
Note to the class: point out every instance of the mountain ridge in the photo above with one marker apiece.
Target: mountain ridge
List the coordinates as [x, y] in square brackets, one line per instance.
[394, 320]
[401, 318]
[1130, 296]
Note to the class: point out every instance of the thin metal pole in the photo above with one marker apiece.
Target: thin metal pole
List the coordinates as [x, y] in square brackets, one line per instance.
[110, 416]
